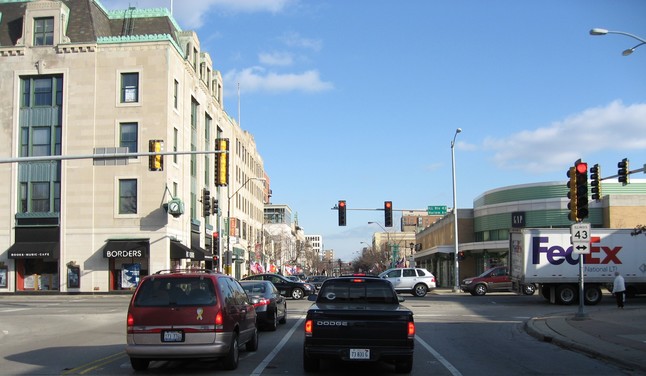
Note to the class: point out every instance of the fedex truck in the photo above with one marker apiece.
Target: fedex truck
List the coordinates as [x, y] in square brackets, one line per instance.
[545, 257]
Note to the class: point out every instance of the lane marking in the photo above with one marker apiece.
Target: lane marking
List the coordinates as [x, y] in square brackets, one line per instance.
[454, 371]
[85, 368]
[265, 362]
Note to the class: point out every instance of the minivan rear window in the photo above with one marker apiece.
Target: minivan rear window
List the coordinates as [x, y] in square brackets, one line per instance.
[185, 291]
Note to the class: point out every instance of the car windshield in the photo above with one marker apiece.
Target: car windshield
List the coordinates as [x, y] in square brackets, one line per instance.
[357, 290]
[186, 291]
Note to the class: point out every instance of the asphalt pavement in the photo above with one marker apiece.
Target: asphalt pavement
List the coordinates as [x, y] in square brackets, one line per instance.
[606, 332]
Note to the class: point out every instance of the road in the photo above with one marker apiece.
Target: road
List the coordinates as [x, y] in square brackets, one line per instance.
[457, 334]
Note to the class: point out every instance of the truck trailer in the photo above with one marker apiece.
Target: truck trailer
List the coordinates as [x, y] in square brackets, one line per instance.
[545, 257]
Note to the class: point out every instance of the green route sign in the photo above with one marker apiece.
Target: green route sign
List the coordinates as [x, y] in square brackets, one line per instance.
[436, 210]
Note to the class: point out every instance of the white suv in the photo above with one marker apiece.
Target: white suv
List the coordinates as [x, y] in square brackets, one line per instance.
[417, 281]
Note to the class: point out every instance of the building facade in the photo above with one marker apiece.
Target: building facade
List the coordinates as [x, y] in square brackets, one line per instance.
[81, 85]
[483, 232]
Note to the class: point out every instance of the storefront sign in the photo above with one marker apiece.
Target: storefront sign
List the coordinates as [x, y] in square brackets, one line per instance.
[125, 249]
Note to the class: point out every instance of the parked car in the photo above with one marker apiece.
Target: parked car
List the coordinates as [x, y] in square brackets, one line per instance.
[293, 289]
[317, 280]
[189, 314]
[493, 280]
[271, 307]
[417, 281]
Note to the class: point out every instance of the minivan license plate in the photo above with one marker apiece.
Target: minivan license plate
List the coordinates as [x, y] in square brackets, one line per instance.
[360, 354]
[173, 336]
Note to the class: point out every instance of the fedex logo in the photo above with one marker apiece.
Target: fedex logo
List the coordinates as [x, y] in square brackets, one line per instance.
[556, 254]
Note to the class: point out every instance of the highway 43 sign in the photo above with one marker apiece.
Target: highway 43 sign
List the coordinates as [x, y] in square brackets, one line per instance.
[580, 233]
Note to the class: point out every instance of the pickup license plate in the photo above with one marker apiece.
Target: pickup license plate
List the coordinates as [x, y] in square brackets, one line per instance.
[172, 336]
[360, 354]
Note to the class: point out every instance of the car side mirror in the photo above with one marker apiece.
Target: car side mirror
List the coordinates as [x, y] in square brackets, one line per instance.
[401, 298]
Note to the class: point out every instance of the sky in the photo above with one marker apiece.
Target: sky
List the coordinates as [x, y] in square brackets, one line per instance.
[360, 100]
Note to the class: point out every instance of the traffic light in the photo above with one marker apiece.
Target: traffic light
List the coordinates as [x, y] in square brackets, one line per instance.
[216, 246]
[155, 162]
[206, 202]
[222, 162]
[388, 213]
[214, 206]
[581, 190]
[341, 207]
[595, 182]
[623, 171]
[571, 195]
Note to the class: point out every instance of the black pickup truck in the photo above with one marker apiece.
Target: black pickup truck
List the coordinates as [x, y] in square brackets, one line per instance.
[358, 319]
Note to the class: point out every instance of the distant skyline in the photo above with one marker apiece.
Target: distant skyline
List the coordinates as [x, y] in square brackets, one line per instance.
[359, 100]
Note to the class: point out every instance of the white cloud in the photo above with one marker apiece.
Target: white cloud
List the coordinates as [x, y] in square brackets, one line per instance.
[613, 127]
[257, 79]
[276, 58]
[296, 40]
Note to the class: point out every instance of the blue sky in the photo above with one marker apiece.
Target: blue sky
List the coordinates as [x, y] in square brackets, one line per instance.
[359, 100]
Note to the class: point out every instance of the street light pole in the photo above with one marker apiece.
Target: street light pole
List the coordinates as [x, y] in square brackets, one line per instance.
[229, 218]
[387, 233]
[456, 286]
[599, 31]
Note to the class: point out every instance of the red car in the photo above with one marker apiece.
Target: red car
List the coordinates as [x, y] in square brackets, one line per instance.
[492, 280]
[189, 314]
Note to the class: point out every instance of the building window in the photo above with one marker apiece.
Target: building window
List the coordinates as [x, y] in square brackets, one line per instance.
[129, 87]
[128, 136]
[176, 95]
[44, 31]
[175, 140]
[128, 196]
[40, 197]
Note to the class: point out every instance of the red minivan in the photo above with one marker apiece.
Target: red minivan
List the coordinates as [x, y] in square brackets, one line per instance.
[176, 314]
[492, 280]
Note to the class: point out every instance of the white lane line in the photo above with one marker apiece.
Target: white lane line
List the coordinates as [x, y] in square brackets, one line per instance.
[454, 371]
[272, 354]
[13, 310]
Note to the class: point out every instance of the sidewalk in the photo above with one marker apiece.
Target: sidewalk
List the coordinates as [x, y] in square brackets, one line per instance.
[615, 335]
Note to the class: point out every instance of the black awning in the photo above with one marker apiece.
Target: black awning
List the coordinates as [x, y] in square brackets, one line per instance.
[180, 251]
[21, 250]
[136, 248]
[200, 253]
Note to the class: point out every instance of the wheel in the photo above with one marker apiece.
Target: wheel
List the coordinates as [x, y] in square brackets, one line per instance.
[566, 294]
[480, 290]
[310, 364]
[404, 366]
[297, 294]
[230, 361]
[592, 295]
[139, 364]
[529, 289]
[273, 324]
[420, 290]
[252, 344]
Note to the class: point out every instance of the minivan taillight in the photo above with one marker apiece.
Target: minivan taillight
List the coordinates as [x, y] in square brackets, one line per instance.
[130, 322]
[219, 322]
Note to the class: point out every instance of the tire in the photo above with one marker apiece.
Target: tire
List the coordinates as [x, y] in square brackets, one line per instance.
[310, 364]
[529, 289]
[420, 290]
[139, 364]
[592, 295]
[252, 344]
[297, 293]
[274, 322]
[404, 366]
[230, 361]
[480, 290]
[566, 294]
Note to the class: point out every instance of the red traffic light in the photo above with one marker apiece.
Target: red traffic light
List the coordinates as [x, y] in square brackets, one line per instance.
[388, 204]
[582, 168]
[342, 204]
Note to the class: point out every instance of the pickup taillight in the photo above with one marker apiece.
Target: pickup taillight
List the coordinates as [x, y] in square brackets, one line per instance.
[308, 328]
[411, 330]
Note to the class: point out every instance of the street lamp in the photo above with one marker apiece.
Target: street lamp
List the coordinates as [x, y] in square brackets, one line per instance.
[456, 286]
[598, 31]
[412, 246]
[387, 234]
[229, 216]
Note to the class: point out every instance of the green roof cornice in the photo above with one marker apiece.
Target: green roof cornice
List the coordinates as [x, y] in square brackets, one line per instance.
[142, 13]
[139, 38]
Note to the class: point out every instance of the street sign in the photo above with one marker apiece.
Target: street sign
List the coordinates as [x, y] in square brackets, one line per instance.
[436, 210]
[580, 233]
